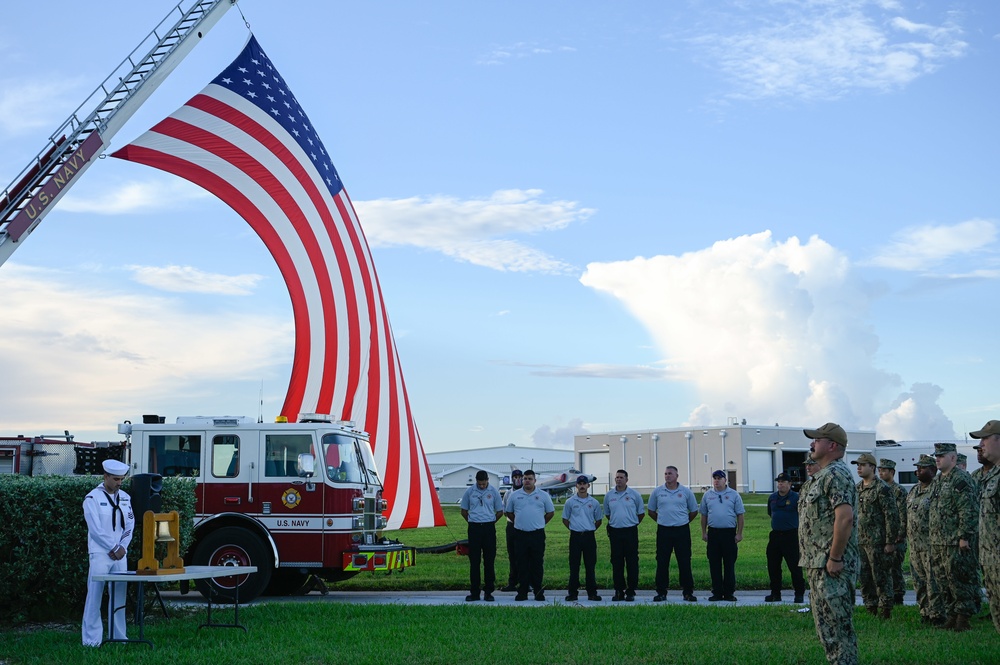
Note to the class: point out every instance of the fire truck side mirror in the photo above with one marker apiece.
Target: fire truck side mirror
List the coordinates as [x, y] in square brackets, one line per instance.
[306, 465]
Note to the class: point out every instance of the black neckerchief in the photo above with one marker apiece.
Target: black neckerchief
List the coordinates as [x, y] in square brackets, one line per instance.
[115, 508]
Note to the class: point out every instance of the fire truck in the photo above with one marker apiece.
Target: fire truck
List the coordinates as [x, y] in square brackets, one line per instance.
[292, 499]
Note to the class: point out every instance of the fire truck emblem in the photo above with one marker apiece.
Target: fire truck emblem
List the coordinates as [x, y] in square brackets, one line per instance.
[291, 498]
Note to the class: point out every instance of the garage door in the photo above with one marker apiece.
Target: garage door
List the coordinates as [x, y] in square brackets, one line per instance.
[597, 464]
[760, 471]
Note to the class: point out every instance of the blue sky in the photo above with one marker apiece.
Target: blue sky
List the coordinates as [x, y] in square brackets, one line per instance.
[585, 216]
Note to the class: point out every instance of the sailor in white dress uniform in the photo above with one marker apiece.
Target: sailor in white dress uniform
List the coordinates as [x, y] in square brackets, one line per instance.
[110, 523]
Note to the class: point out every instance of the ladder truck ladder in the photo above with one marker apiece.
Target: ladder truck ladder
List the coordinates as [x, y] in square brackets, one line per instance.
[71, 148]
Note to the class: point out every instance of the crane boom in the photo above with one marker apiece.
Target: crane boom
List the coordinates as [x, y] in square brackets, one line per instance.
[71, 148]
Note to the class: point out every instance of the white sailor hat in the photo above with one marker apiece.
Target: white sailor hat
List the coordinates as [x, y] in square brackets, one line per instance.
[114, 467]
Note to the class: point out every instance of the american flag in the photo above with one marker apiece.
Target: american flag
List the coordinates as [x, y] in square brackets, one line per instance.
[245, 139]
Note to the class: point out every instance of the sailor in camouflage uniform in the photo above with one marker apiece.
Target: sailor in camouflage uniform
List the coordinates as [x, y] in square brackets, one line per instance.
[918, 504]
[828, 542]
[977, 477]
[989, 515]
[811, 469]
[878, 529]
[954, 526]
[984, 468]
[887, 472]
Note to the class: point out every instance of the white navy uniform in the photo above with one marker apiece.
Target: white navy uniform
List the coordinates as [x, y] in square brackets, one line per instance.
[108, 526]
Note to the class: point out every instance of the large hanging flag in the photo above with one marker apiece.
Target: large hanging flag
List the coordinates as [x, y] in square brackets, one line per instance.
[245, 139]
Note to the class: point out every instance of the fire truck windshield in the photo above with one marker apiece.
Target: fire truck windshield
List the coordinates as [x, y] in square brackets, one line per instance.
[349, 460]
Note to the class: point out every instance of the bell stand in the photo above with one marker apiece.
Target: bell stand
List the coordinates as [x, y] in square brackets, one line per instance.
[160, 528]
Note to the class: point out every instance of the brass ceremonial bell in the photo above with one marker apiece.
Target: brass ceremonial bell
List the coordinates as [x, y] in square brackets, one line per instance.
[163, 533]
[160, 528]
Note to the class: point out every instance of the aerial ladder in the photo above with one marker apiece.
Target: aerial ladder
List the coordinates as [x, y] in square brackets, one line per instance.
[71, 149]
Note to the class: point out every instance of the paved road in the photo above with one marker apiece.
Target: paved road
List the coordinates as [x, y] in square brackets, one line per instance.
[552, 597]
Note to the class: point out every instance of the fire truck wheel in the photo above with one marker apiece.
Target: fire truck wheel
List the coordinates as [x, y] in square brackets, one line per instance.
[234, 546]
[285, 582]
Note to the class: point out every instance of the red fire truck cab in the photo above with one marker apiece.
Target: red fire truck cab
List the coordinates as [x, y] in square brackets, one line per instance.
[293, 499]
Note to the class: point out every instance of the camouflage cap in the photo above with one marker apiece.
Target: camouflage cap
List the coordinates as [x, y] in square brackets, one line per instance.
[925, 460]
[887, 464]
[989, 429]
[865, 458]
[962, 457]
[943, 448]
[831, 431]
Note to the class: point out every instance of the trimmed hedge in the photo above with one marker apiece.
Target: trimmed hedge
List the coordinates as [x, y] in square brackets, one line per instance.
[43, 542]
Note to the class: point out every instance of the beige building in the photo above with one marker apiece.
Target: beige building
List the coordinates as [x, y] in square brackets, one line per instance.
[752, 455]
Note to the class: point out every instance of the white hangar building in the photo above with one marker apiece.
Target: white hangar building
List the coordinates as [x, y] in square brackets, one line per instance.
[752, 455]
[455, 470]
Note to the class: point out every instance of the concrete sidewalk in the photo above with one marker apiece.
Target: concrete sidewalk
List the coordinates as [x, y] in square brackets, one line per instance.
[552, 597]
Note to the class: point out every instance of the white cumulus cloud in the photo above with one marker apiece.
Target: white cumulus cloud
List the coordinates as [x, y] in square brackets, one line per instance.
[504, 54]
[181, 279]
[27, 106]
[477, 231]
[558, 437]
[770, 330]
[924, 247]
[822, 49]
[916, 416]
[135, 197]
[83, 356]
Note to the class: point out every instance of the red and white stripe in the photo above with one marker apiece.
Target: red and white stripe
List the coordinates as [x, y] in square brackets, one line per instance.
[345, 361]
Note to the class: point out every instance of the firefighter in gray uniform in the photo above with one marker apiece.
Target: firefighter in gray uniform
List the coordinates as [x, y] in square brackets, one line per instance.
[481, 508]
[110, 523]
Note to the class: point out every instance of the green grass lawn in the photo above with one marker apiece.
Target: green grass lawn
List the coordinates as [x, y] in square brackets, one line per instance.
[450, 571]
[338, 632]
[325, 632]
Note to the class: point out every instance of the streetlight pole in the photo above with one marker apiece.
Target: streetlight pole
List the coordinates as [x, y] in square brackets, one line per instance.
[624, 440]
[725, 462]
[656, 458]
[687, 435]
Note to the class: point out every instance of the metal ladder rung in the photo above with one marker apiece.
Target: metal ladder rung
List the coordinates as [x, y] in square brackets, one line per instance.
[117, 91]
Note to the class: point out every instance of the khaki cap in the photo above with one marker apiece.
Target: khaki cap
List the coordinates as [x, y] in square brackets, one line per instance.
[865, 458]
[831, 431]
[990, 428]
